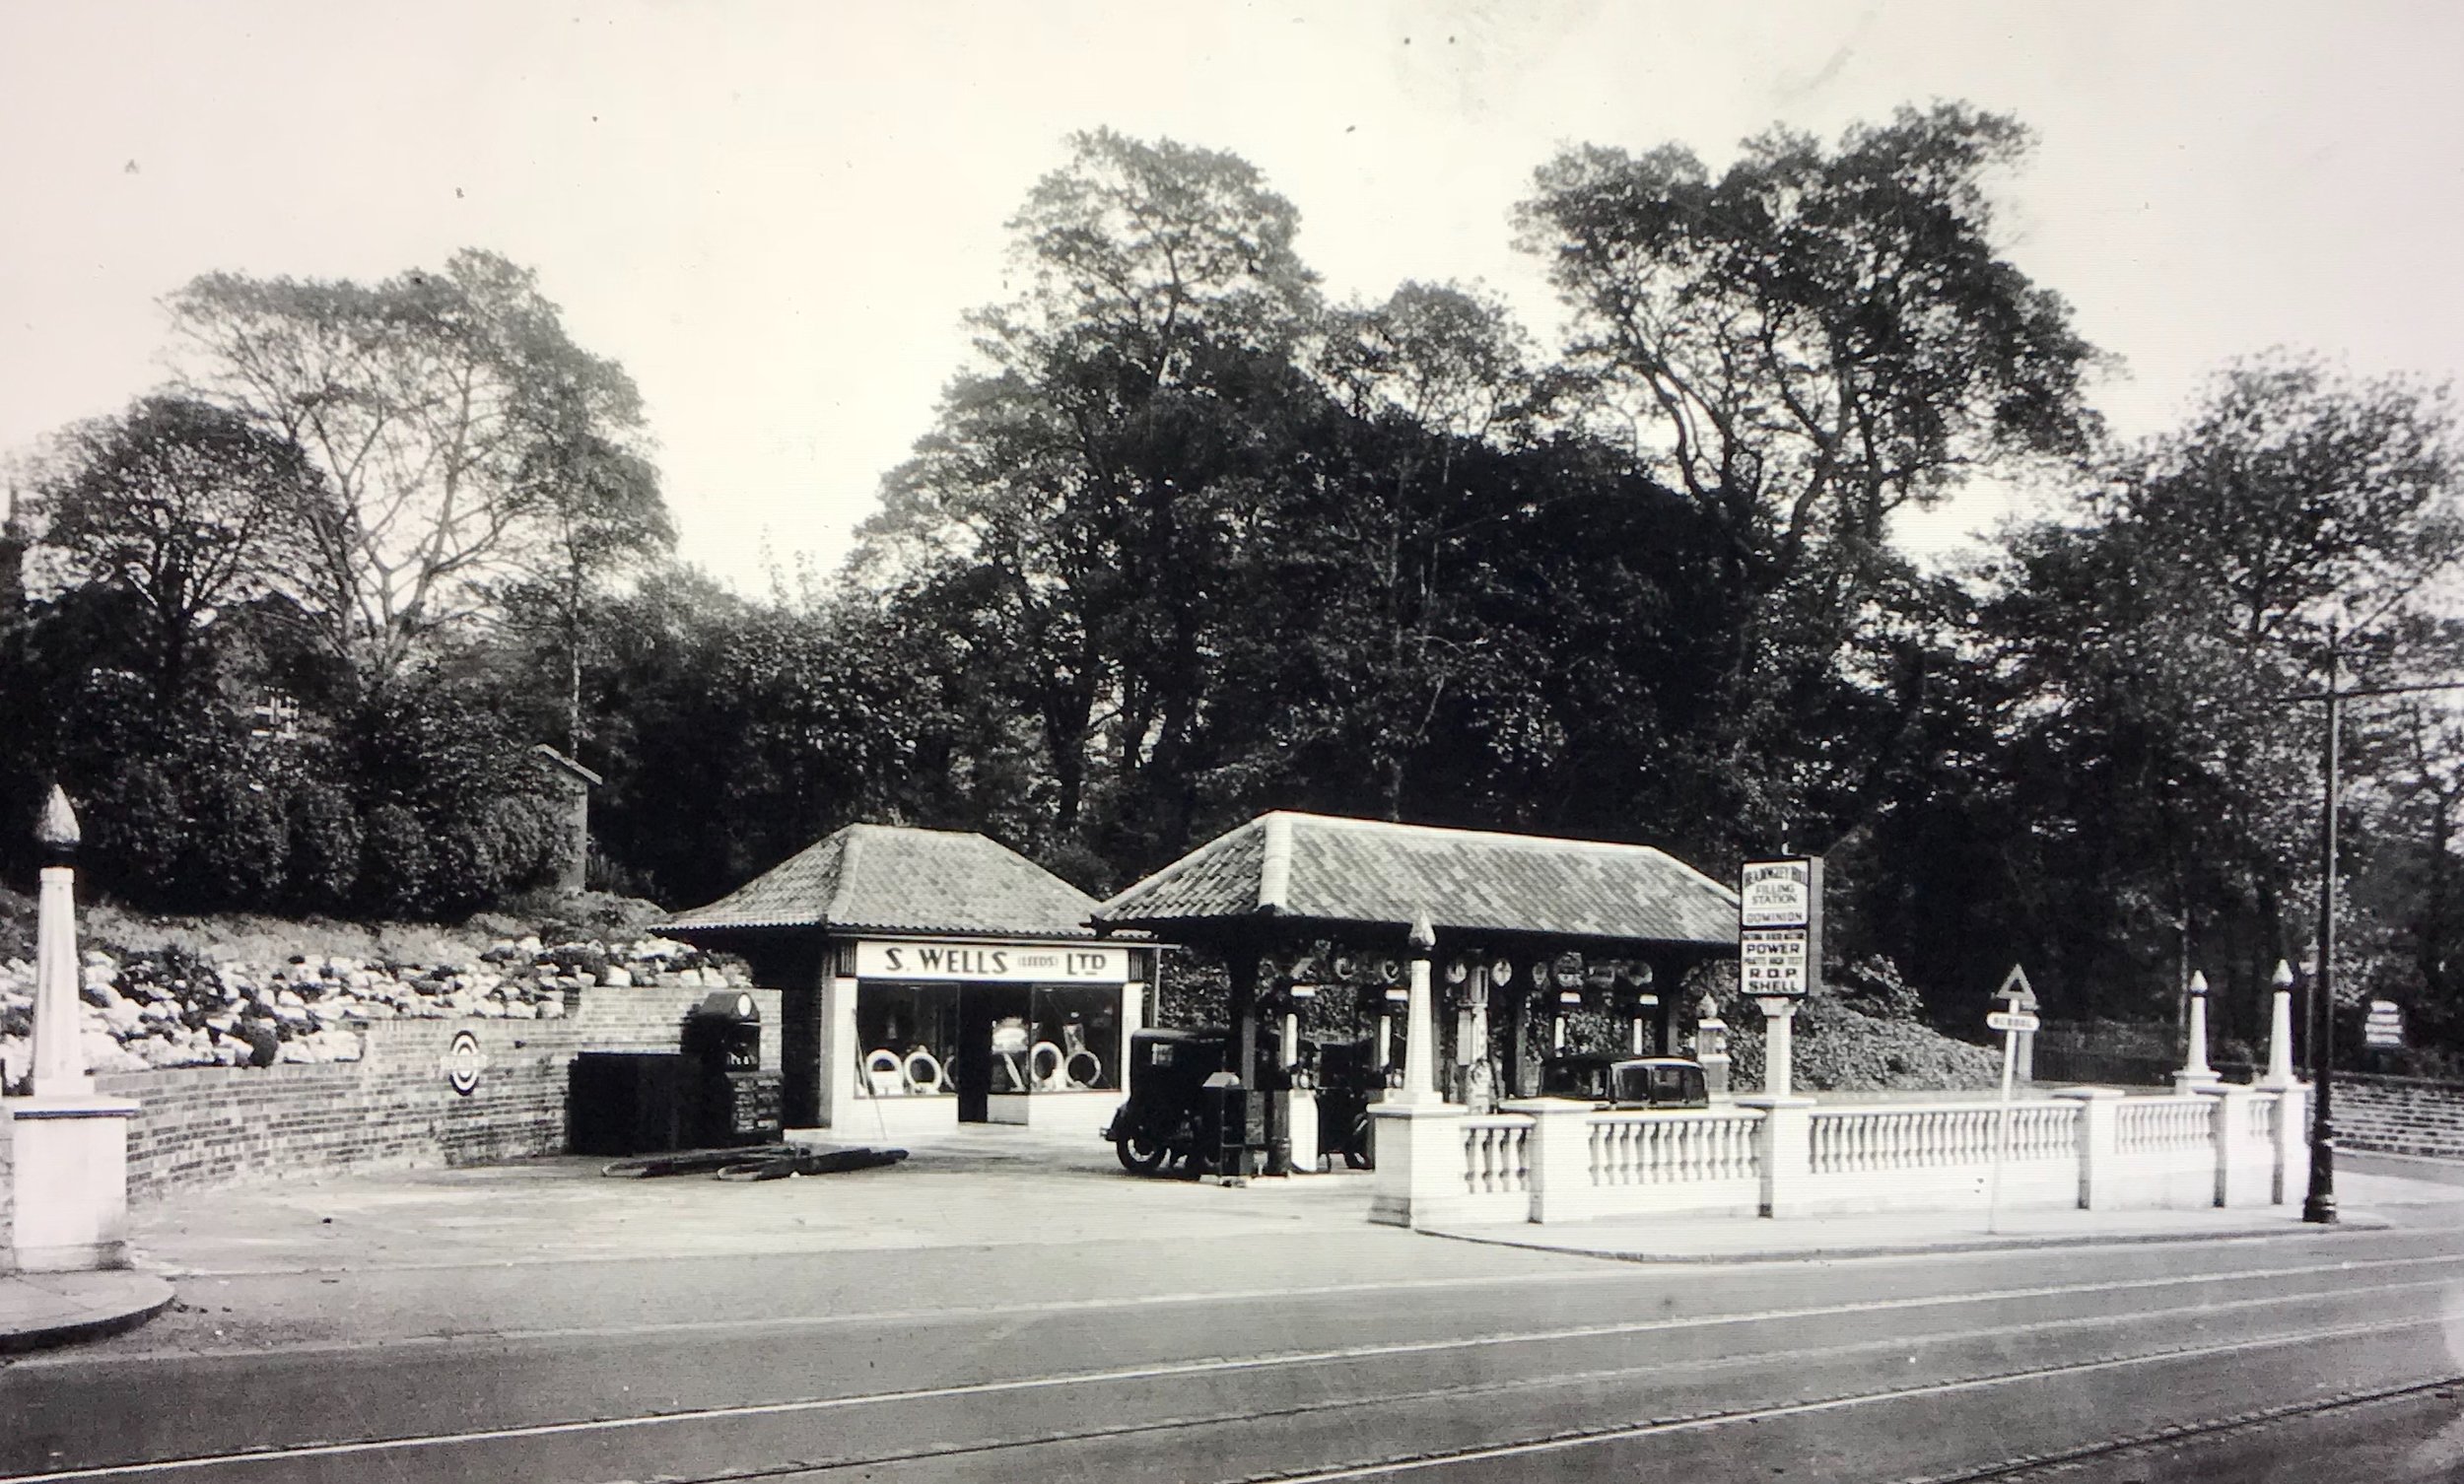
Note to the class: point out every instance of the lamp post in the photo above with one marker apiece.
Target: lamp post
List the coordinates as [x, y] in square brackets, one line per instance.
[2319, 1207]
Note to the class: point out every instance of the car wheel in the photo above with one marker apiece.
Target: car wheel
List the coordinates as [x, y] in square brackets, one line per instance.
[1141, 1153]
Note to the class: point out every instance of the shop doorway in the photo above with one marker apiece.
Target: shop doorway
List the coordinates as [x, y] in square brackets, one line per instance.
[985, 1065]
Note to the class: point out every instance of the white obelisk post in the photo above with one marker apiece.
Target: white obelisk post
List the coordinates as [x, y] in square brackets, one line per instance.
[70, 1148]
[2279, 1030]
[2196, 1074]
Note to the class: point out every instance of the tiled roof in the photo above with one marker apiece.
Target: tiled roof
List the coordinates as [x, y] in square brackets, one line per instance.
[1316, 868]
[888, 878]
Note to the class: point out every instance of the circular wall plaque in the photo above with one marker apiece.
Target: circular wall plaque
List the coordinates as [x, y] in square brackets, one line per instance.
[462, 1062]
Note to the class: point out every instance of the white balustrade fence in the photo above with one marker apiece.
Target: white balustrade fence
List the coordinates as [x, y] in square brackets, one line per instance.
[1880, 1140]
[1547, 1160]
[1493, 1156]
[1661, 1149]
[2146, 1125]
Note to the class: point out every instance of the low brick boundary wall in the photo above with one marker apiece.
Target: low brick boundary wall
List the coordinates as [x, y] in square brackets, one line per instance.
[392, 1108]
[2399, 1115]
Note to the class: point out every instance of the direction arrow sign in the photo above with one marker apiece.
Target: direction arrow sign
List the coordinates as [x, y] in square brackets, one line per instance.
[2011, 1020]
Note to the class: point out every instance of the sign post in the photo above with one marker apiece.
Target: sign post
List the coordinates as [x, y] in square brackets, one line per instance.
[1779, 951]
[2020, 1015]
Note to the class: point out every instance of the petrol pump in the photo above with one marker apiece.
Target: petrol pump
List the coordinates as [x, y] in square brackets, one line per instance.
[1642, 1004]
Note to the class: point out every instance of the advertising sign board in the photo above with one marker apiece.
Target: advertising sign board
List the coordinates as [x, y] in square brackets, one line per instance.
[1779, 893]
[1002, 962]
[1773, 961]
[1779, 927]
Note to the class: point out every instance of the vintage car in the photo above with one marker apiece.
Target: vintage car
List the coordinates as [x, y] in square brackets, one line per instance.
[1170, 1117]
[1624, 1081]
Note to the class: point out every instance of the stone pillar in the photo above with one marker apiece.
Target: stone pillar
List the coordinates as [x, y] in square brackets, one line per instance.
[2279, 1030]
[59, 1020]
[2293, 1143]
[1419, 1030]
[842, 1057]
[1778, 1072]
[1558, 1154]
[1711, 1048]
[1132, 1021]
[1419, 1162]
[2099, 1127]
[1784, 1144]
[2244, 1170]
[69, 1147]
[2196, 1075]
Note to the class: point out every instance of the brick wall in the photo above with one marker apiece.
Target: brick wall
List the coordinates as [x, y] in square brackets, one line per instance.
[207, 1125]
[2399, 1115]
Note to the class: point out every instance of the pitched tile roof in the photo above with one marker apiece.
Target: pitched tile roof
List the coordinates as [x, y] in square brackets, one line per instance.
[1316, 868]
[889, 878]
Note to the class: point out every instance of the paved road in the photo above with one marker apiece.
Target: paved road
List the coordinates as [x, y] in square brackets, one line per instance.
[1330, 1350]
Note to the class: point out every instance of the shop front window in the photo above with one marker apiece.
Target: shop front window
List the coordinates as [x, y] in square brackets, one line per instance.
[1076, 1038]
[907, 1040]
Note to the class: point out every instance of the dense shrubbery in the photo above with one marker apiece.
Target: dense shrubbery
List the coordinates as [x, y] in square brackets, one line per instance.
[1866, 1032]
[422, 806]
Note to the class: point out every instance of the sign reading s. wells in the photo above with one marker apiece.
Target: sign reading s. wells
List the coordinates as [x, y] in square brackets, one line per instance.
[1004, 963]
[1779, 927]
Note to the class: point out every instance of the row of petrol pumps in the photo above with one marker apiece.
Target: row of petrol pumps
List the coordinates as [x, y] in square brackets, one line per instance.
[1213, 1098]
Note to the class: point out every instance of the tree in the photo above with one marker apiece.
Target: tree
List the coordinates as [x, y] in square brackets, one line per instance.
[1803, 346]
[1425, 381]
[600, 515]
[186, 508]
[457, 425]
[1079, 512]
[2137, 659]
[736, 732]
[2307, 498]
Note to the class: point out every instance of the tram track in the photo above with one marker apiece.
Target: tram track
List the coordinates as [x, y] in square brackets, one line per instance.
[2057, 1465]
[1294, 1367]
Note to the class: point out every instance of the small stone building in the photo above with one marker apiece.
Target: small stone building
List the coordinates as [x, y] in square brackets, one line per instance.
[932, 977]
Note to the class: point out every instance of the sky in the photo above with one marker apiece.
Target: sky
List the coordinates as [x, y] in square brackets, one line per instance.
[774, 215]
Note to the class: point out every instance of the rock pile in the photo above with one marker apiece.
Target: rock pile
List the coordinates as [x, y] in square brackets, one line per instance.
[168, 1008]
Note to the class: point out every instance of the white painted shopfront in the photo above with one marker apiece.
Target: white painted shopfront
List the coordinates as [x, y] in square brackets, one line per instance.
[943, 1031]
[930, 979]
